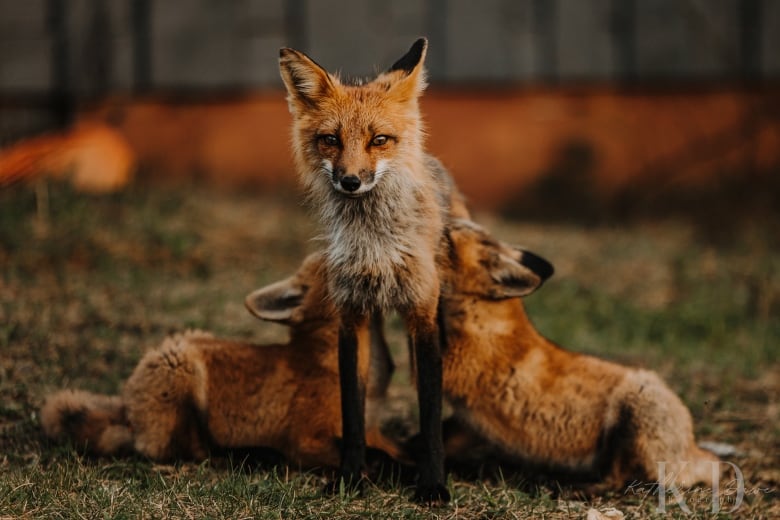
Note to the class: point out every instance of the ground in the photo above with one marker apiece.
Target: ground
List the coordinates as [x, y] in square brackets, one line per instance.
[88, 283]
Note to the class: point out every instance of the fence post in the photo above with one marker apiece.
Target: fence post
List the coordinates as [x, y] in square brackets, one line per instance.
[61, 93]
[142, 50]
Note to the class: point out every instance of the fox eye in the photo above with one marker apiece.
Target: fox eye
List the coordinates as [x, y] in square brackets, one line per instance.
[329, 140]
[379, 140]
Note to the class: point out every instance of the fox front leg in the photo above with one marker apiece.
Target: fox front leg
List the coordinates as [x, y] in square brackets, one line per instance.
[426, 341]
[353, 443]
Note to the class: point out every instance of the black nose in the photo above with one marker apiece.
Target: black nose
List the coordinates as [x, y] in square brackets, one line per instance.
[350, 182]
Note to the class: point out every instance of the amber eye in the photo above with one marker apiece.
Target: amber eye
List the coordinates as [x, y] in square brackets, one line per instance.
[379, 140]
[329, 140]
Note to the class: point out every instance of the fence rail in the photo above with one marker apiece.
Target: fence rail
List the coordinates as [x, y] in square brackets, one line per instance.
[69, 51]
[88, 47]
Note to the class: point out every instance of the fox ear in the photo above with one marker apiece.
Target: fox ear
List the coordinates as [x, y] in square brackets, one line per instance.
[279, 302]
[413, 57]
[519, 276]
[305, 80]
[411, 70]
[540, 267]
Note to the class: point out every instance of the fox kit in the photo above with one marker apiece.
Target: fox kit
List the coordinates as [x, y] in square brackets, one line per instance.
[195, 392]
[383, 203]
[540, 403]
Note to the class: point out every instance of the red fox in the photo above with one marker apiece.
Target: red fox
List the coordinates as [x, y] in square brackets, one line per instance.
[196, 393]
[95, 157]
[540, 403]
[383, 203]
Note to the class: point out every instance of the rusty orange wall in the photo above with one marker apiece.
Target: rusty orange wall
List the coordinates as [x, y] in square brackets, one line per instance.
[494, 142]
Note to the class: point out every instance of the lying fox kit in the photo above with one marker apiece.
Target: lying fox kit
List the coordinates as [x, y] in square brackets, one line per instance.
[543, 404]
[195, 393]
[384, 204]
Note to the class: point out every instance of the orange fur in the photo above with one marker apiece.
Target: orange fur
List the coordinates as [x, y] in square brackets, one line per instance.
[540, 403]
[384, 205]
[94, 157]
[195, 392]
[384, 236]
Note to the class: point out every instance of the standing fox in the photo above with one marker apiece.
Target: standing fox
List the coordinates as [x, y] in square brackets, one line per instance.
[383, 203]
[540, 403]
[196, 393]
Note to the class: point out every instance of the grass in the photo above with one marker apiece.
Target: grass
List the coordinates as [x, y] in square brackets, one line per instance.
[91, 282]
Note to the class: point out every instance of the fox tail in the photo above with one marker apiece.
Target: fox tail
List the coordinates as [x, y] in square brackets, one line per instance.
[95, 423]
[29, 159]
[94, 157]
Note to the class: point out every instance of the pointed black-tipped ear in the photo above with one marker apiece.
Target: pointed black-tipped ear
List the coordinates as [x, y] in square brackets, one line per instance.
[279, 302]
[406, 78]
[541, 267]
[412, 58]
[306, 81]
[519, 276]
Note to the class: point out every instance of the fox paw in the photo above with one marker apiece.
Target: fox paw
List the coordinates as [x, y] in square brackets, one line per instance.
[432, 495]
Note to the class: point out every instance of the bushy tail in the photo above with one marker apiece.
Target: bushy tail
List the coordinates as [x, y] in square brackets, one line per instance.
[94, 157]
[95, 423]
[28, 159]
[663, 430]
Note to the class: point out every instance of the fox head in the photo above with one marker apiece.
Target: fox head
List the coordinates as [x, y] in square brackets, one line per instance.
[351, 135]
[483, 267]
[297, 300]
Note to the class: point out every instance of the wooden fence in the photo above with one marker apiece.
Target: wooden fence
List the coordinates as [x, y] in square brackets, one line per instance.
[86, 48]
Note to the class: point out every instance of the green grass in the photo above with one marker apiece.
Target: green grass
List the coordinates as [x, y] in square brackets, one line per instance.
[91, 282]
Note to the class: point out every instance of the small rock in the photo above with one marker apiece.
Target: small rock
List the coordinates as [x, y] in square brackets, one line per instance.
[608, 514]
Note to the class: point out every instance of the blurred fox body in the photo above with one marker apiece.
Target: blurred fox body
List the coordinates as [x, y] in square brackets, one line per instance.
[195, 392]
[543, 404]
[95, 158]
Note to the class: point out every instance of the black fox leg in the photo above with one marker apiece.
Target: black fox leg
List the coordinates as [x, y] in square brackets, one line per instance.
[431, 487]
[353, 447]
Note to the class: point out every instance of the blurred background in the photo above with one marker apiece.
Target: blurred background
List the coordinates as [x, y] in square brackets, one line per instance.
[586, 109]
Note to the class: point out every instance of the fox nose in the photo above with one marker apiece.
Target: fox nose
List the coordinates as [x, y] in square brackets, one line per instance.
[350, 182]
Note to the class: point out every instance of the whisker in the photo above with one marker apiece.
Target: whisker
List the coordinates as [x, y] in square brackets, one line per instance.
[326, 170]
